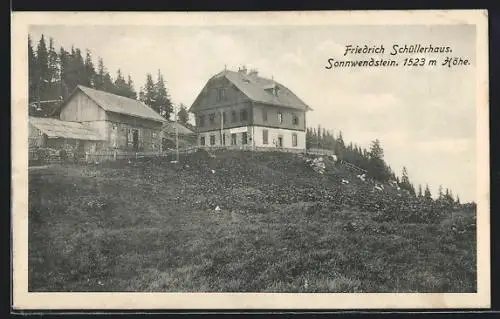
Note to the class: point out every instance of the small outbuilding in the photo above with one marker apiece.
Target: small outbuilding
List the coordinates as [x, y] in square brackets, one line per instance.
[72, 137]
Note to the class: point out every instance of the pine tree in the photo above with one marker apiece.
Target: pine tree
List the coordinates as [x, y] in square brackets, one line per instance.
[130, 87]
[149, 93]
[64, 66]
[405, 181]
[108, 84]
[42, 71]
[457, 200]
[427, 192]
[42, 60]
[440, 192]
[183, 115]
[89, 70]
[79, 67]
[376, 150]
[121, 87]
[101, 71]
[53, 64]
[420, 190]
[142, 95]
[340, 147]
[376, 166]
[32, 71]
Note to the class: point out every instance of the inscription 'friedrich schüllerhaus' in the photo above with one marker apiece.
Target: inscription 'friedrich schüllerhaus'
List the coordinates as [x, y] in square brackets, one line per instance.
[396, 49]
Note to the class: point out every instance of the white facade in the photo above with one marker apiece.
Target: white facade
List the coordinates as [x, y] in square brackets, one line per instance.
[255, 137]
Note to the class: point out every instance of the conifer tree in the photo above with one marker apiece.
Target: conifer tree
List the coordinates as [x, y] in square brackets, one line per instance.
[42, 60]
[427, 192]
[99, 79]
[149, 94]
[32, 70]
[121, 87]
[130, 87]
[440, 192]
[89, 71]
[183, 115]
[53, 64]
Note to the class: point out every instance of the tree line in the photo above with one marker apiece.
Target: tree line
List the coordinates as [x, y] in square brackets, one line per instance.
[54, 74]
[372, 161]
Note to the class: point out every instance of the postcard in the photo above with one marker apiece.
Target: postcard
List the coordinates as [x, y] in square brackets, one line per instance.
[250, 160]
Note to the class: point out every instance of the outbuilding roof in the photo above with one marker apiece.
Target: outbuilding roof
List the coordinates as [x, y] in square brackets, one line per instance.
[55, 128]
[119, 104]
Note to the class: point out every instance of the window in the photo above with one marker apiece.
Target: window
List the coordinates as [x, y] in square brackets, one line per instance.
[264, 115]
[115, 127]
[244, 138]
[155, 134]
[265, 137]
[233, 116]
[201, 120]
[221, 94]
[224, 117]
[212, 139]
[280, 117]
[294, 139]
[295, 120]
[212, 118]
[202, 140]
[243, 115]
[223, 139]
[233, 139]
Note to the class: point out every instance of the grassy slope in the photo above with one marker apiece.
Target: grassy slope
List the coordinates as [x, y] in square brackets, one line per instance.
[151, 226]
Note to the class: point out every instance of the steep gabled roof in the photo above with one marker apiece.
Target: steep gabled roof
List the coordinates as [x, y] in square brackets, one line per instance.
[56, 128]
[120, 104]
[259, 89]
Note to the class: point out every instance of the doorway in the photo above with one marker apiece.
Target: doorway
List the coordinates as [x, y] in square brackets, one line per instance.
[280, 141]
[135, 139]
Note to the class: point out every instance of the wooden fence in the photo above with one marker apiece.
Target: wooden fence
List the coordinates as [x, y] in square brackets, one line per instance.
[250, 148]
[113, 155]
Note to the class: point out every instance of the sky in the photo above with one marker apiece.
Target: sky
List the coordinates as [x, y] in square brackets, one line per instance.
[425, 117]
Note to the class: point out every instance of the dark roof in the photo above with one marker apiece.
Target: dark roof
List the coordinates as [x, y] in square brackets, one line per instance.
[72, 130]
[169, 127]
[260, 89]
[120, 104]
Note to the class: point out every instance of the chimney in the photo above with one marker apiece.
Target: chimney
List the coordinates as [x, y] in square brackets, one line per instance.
[243, 69]
[253, 72]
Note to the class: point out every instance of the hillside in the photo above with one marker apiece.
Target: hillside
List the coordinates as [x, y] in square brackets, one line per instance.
[240, 221]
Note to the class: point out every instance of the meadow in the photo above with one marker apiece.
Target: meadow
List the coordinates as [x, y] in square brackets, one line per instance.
[239, 222]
